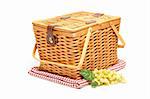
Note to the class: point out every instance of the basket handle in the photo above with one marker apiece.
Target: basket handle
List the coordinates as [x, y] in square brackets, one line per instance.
[87, 39]
[118, 35]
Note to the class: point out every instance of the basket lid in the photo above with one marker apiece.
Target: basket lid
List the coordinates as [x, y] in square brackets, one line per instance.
[75, 21]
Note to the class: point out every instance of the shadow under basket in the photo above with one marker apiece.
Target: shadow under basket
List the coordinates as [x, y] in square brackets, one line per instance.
[82, 40]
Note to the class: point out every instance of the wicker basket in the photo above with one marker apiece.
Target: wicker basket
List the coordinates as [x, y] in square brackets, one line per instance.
[81, 40]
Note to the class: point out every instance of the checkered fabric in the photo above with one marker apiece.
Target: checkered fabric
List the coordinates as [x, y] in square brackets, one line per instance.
[68, 81]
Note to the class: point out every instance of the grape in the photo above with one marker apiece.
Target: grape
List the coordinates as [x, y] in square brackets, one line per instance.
[114, 82]
[97, 81]
[104, 81]
[107, 77]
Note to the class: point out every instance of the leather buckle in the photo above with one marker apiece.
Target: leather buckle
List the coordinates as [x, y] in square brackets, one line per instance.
[51, 39]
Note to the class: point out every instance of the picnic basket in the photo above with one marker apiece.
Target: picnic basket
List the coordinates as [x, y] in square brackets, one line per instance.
[82, 40]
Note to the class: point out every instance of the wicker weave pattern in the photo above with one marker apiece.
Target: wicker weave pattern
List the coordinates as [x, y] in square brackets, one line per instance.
[101, 52]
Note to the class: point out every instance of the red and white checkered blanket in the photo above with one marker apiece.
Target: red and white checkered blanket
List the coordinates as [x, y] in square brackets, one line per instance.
[68, 81]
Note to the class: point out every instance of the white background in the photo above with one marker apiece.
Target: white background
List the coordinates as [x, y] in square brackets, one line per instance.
[17, 40]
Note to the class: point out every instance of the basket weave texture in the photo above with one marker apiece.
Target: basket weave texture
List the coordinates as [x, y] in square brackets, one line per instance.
[67, 56]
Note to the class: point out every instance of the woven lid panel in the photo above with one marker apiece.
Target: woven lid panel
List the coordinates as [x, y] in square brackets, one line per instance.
[76, 21]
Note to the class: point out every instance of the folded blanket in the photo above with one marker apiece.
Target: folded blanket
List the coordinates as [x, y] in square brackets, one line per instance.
[68, 81]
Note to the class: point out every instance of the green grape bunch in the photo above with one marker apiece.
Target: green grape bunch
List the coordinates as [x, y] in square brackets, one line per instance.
[102, 77]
